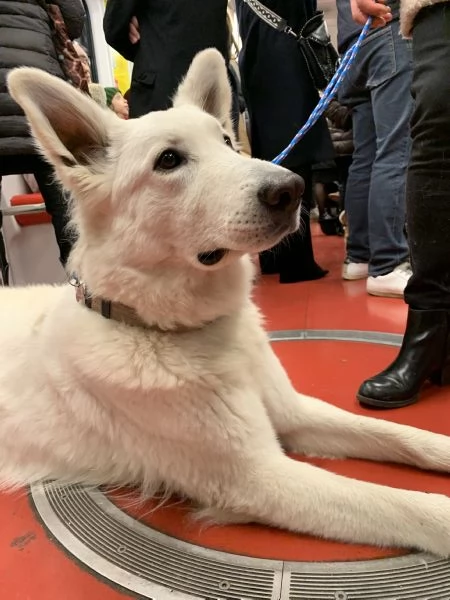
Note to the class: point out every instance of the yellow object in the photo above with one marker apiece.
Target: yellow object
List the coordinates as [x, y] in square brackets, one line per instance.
[121, 71]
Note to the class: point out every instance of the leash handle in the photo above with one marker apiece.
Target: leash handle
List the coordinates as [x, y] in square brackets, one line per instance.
[328, 94]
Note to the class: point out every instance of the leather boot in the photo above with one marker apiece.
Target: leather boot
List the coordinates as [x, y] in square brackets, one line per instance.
[425, 354]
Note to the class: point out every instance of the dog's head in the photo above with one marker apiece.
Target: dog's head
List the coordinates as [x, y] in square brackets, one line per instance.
[171, 179]
[168, 190]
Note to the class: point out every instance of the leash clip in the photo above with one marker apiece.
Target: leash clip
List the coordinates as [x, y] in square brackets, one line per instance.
[80, 293]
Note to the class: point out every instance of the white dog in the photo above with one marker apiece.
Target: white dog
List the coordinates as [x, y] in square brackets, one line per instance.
[176, 384]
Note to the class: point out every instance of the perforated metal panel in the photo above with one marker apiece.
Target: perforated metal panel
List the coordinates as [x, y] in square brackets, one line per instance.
[160, 567]
[146, 561]
[414, 577]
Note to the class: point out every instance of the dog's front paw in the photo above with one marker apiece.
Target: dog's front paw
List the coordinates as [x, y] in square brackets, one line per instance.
[434, 453]
[433, 525]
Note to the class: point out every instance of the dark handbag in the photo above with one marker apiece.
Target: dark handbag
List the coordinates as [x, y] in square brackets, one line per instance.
[314, 42]
[71, 64]
[320, 55]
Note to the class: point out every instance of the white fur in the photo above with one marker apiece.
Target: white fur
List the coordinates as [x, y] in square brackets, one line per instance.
[205, 412]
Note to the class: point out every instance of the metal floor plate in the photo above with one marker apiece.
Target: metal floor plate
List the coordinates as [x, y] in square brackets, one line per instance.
[159, 567]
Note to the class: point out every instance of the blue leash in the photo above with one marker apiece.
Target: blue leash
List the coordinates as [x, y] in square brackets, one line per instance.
[328, 94]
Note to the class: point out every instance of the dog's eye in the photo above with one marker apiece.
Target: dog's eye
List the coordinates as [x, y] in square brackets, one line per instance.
[227, 140]
[169, 159]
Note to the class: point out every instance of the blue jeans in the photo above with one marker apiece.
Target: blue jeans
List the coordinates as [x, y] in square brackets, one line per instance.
[378, 87]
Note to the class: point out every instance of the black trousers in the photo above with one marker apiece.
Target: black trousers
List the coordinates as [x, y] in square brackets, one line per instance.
[428, 180]
[56, 205]
[293, 257]
[54, 197]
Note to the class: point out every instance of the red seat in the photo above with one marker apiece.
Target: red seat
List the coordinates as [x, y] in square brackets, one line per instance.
[31, 219]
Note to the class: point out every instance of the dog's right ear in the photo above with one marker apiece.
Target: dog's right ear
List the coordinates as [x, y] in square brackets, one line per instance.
[69, 127]
[206, 85]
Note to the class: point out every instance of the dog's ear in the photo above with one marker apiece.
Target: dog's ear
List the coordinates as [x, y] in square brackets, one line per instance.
[68, 126]
[206, 85]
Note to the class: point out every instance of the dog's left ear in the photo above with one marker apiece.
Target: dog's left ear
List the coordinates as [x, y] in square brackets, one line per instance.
[69, 127]
[206, 85]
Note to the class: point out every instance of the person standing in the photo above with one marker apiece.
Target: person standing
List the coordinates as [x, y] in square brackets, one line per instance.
[377, 88]
[161, 38]
[280, 96]
[425, 351]
[22, 45]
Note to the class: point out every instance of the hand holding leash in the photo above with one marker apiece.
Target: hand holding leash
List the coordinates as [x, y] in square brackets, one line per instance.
[377, 9]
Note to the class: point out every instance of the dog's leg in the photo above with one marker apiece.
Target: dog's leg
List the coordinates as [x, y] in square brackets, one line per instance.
[273, 489]
[310, 426]
[226, 456]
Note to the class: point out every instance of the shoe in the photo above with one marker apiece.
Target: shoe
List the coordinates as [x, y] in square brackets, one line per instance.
[425, 354]
[334, 196]
[268, 262]
[391, 285]
[352, 271]
[312, 273]
[314, 214]
[330, 225]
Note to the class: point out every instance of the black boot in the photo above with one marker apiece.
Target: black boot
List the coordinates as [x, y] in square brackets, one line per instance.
[293, 258]
[425, 354]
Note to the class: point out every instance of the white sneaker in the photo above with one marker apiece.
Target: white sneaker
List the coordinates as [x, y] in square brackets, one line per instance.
[314, 214]
[391, 285]
[352, 270]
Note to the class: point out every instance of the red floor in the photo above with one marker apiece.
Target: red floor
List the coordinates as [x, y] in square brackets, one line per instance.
[32, 566]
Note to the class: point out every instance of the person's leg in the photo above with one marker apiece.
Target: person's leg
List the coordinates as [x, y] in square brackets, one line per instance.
[293, 257]
[425, 350]
[343, 164]
[389, 81]
[56, 205]
[357, 192]
[296, 254]
[320, 197]
[428, 208]
[325, 176]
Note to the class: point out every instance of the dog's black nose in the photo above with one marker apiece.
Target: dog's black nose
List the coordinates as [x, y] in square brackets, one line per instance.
[283, 196]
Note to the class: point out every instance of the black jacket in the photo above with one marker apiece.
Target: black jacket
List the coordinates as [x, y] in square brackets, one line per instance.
[339, 119]
[172, 32]
[277, 87]
[25, 40]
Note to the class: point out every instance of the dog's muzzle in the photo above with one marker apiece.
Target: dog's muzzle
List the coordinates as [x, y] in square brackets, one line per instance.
[283, 197]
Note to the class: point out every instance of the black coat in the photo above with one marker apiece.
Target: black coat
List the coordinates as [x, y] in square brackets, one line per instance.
[25, 40]
[277, 87]
[340, 124]
[172, 32]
